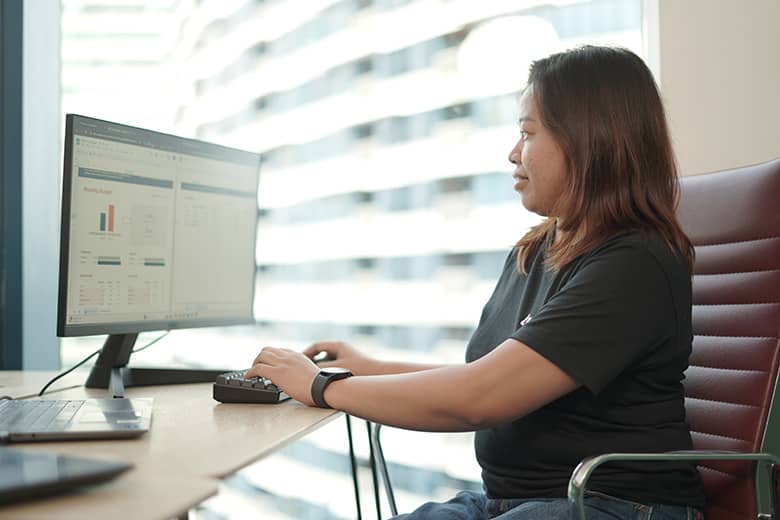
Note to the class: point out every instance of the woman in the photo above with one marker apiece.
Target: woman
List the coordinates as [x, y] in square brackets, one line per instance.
[582, 346]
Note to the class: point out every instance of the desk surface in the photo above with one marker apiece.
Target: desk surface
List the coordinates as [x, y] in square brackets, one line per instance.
[193, 441]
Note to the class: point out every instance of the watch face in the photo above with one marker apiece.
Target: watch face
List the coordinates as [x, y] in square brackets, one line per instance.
[334, 370]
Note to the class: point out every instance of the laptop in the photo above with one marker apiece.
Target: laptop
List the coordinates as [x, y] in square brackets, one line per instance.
[55, 420]
[26, 475]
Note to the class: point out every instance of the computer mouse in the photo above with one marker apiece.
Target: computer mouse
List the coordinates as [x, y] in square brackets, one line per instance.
[322, 357]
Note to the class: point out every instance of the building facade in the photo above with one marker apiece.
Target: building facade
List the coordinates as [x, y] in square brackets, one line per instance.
[385, 209]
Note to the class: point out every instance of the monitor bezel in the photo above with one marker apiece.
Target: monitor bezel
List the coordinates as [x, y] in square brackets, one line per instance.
[130, 327]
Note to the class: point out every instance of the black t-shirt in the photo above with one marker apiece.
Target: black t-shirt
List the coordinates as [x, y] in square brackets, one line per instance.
[618, 321]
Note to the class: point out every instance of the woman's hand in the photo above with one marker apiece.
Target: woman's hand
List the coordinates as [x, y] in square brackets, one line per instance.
[339, 354]
[289, 370]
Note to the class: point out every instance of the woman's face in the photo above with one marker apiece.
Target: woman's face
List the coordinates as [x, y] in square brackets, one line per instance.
[540, 171]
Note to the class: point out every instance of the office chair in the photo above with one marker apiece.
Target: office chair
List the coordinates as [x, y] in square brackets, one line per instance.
[733, 219]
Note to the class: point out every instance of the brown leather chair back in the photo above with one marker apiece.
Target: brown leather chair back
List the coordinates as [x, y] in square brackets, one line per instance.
[733, 219]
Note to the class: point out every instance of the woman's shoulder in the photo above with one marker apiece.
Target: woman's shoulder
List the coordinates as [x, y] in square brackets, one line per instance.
[640, 246]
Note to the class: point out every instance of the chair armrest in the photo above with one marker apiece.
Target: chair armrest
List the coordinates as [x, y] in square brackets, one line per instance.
[584, 469]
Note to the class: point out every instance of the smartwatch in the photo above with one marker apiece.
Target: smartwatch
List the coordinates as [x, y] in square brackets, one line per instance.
[325, 377]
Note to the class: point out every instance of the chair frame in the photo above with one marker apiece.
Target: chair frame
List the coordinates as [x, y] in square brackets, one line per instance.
[585, 469]
[374, 430]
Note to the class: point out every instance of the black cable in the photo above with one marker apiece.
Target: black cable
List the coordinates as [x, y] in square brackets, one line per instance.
[68, 371]
[74, 367]
[155, 340]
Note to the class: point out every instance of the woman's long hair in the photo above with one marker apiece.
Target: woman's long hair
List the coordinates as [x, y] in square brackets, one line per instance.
[604, 110]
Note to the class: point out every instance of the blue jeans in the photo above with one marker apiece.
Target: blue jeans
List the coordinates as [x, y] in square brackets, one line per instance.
[468, 505]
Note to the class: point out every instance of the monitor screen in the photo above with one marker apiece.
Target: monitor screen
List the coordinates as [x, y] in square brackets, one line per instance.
[158, 232]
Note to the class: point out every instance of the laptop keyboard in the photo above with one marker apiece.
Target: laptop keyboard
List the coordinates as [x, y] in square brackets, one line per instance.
[36, 415]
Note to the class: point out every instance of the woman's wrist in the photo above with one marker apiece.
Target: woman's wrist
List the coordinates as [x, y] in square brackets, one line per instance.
[332, 393]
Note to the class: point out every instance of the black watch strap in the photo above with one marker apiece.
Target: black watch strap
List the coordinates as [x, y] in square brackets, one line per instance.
[325, 377]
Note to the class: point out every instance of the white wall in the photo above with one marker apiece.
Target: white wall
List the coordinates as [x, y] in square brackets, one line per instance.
[719, 67]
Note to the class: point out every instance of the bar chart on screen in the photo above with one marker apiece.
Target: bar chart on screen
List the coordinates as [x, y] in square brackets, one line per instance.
[107, 220]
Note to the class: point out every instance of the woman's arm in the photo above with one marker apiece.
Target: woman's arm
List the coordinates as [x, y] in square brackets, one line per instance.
[504, 385]
[340, 354]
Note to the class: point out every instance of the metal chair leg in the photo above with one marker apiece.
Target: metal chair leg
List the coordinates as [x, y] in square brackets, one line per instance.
[380, 460]
[353, 461]
[374, 481]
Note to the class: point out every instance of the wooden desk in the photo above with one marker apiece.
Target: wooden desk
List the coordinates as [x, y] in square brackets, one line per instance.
[193, 441]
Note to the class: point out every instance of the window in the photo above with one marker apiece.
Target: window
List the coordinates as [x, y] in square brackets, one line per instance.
[362, 137]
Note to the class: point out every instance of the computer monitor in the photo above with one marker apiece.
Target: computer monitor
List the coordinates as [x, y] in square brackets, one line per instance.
[158, 232]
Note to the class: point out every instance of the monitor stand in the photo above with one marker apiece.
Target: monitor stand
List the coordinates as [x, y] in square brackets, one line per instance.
[111, 370]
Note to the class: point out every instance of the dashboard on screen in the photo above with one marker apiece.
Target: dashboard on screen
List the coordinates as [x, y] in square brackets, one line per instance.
[158, 231]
